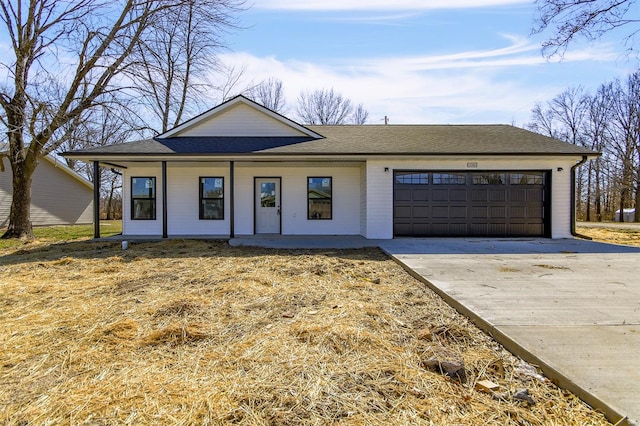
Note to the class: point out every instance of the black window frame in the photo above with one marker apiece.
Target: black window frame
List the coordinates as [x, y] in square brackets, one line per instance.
[202, 198]
[449, 178]
[311, 216]
[154, 207]
[489, 178]
[412, 178]
[527, 178]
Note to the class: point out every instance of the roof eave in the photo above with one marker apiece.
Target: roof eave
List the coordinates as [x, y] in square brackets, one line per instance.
[226, 156]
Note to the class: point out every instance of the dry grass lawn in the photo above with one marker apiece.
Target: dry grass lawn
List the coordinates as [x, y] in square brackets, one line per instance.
[195, 332]
[629, 237]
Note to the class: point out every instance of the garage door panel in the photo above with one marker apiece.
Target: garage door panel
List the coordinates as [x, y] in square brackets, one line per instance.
[475, 203]
[403, 229]
[458, 212]
[518, 212]
[498, 212]
[497, 195]
[479, 212]
[458, 195]
[518, 195]
[440, 195]
[479, 195]
[420, 195]
[402, 195]
[402, 212]
[535, 195]
[497, 229]
[420, 212]
[534, 212]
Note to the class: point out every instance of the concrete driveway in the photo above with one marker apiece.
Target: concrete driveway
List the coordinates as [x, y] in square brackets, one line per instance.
[570, 306]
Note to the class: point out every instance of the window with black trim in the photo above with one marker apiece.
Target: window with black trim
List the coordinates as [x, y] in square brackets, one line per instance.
[320, 198]
[143, 198]
[211, 198]
[412, 178]
[449, 179]
[489, 178]
[528, 178]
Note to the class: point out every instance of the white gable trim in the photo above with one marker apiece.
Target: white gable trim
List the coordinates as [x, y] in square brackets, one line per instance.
[230, 104]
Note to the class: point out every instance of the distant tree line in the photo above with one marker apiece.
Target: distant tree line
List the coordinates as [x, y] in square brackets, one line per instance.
[608, 121]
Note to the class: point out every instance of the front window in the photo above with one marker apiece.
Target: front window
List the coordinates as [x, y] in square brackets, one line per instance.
[319, 197]
[143, 198]
[211, 198]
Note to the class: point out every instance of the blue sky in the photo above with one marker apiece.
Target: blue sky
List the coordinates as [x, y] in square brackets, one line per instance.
[417, 61]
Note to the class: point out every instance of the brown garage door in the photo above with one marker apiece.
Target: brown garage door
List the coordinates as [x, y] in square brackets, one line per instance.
[459, 204]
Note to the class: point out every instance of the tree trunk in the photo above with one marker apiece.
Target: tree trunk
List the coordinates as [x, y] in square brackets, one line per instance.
[589, 173]
[636, 216]
[598, 196]
[110, 208]
[20, 216]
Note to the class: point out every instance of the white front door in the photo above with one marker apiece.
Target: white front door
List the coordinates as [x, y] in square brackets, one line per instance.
[267, 201]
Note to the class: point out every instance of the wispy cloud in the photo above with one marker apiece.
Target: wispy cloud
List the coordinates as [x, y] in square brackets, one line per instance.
[381, 4]
[475, 86]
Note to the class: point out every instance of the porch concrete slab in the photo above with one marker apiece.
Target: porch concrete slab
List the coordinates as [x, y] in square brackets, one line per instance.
[570, 306]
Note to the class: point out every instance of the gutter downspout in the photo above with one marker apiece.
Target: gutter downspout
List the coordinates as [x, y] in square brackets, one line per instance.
[573, 197]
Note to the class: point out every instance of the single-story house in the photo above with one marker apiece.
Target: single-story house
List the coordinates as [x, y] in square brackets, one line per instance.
[59, 195]
[242, 169]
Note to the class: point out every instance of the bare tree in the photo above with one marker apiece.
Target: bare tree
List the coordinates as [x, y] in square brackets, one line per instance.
[268, 93]
[563, 118]
[327, 107]
[230, 76]
[360, 115]
[97, 127]
[173, 64]
[596, 128]
[542, 121]
[67, 57]
[590, 19]
[625, 127]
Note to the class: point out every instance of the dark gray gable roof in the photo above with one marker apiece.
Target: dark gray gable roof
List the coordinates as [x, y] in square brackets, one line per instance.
[360, 140]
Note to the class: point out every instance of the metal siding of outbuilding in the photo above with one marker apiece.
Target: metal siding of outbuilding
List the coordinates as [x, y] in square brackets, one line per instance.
[57, 198]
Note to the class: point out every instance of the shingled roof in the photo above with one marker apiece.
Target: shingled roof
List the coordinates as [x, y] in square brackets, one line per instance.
[348, 140]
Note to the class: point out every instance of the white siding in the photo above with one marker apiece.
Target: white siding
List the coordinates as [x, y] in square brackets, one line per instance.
[346, 197]
[141, 227]
[379, 187]
[241, 120]
[56, 197]
[183, 186]
[379, 200]
[561, 201]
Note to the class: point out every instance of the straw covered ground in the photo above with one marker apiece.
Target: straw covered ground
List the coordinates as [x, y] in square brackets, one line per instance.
[196, 332]
[629, 236]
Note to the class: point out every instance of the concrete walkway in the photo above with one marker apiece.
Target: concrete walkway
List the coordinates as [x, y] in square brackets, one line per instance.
[570, 306]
